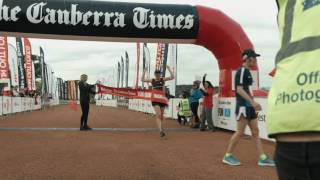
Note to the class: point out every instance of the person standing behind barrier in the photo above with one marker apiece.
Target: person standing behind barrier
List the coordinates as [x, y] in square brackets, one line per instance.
[208, 92]
[194, 98]
[184, 111]
[85, 91]
[294, 98]
[158, 83]
[246, 108]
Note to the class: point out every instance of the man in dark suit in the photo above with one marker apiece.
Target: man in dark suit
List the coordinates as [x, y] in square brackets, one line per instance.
[85, 91]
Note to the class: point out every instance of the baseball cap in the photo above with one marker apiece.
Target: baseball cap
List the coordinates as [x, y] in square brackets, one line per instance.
[248, 53]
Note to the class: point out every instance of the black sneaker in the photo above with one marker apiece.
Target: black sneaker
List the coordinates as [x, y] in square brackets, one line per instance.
[87, 128]
[162, 134]
[82, 129]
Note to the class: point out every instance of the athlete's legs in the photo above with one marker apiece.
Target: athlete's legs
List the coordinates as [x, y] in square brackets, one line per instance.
[157, 110]
[253, 124]
[162, 113]
[241, 125]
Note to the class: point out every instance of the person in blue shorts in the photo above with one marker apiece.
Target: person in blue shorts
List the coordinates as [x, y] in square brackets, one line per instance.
[246, 111]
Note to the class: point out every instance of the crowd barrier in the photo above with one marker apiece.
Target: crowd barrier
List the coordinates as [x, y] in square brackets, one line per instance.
[223, 112]
[108, 103]
[11, 105]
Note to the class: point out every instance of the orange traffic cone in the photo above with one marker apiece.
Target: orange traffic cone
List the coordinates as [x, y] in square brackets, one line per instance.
[73, 105]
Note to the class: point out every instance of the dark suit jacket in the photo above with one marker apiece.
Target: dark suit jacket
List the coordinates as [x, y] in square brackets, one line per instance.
[85, 91]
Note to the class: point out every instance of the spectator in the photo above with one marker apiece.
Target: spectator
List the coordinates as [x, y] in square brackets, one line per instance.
[206, 114]
[194, 98]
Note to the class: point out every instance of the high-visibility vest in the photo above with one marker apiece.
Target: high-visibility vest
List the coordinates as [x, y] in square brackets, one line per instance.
[184, 109]
[294, 99]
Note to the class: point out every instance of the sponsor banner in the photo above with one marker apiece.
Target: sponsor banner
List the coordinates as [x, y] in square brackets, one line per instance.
[21, 69]
[123, 102]
[146, 61]
[37, 66]
[16, 104]
[45, 80]
[43, 88]
[98, 19]
[173, 65]
[127, 70]
[6, 105]
[122, 71]
[226, 114]
[152, 95]
[23, 104]
[28, 105]
[28, 64]
[1, 107]
[4, 64]
[59, 88]
[33, 77]
[99, 102]
[13, 64]
[32, 103]
[66, 90]
[118, 75]
[109, 103]
[160, 51]
[164, 60]
[138, 66]
[50, 81]
[73, 90]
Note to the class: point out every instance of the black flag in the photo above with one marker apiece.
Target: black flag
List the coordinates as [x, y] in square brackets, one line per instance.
[118, 75]
[164, 60]
[122, 71]
[21, 69]
[127, 70]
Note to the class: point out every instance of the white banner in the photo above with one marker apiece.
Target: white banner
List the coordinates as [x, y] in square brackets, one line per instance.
[16, 104]
[1, 99]
[38, 105]
[23, 104]
[173, 63]
[226, 114]
[13, 64]
[109, 103]
[33, 78]
[28, 100]
[32, 105]
[223, 112]
[99, 102]
[6, 105]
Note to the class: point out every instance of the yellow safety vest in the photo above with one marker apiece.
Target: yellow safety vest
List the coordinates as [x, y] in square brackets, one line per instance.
[294, 99]
[184, 109]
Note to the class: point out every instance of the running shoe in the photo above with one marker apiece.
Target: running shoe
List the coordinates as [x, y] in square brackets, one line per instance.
[162, 134]
[87, 128]
[266, 162]
[231, 160]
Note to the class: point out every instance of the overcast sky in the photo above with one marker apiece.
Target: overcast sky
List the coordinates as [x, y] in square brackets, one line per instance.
[69, 59]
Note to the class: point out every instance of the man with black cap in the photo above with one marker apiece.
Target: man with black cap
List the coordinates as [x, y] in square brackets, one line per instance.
[246, 108]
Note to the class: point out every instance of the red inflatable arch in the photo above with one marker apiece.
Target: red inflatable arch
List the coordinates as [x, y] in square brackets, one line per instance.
[131, 22]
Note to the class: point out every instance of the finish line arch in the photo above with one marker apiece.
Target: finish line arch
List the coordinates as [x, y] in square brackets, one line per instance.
[131, 22]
